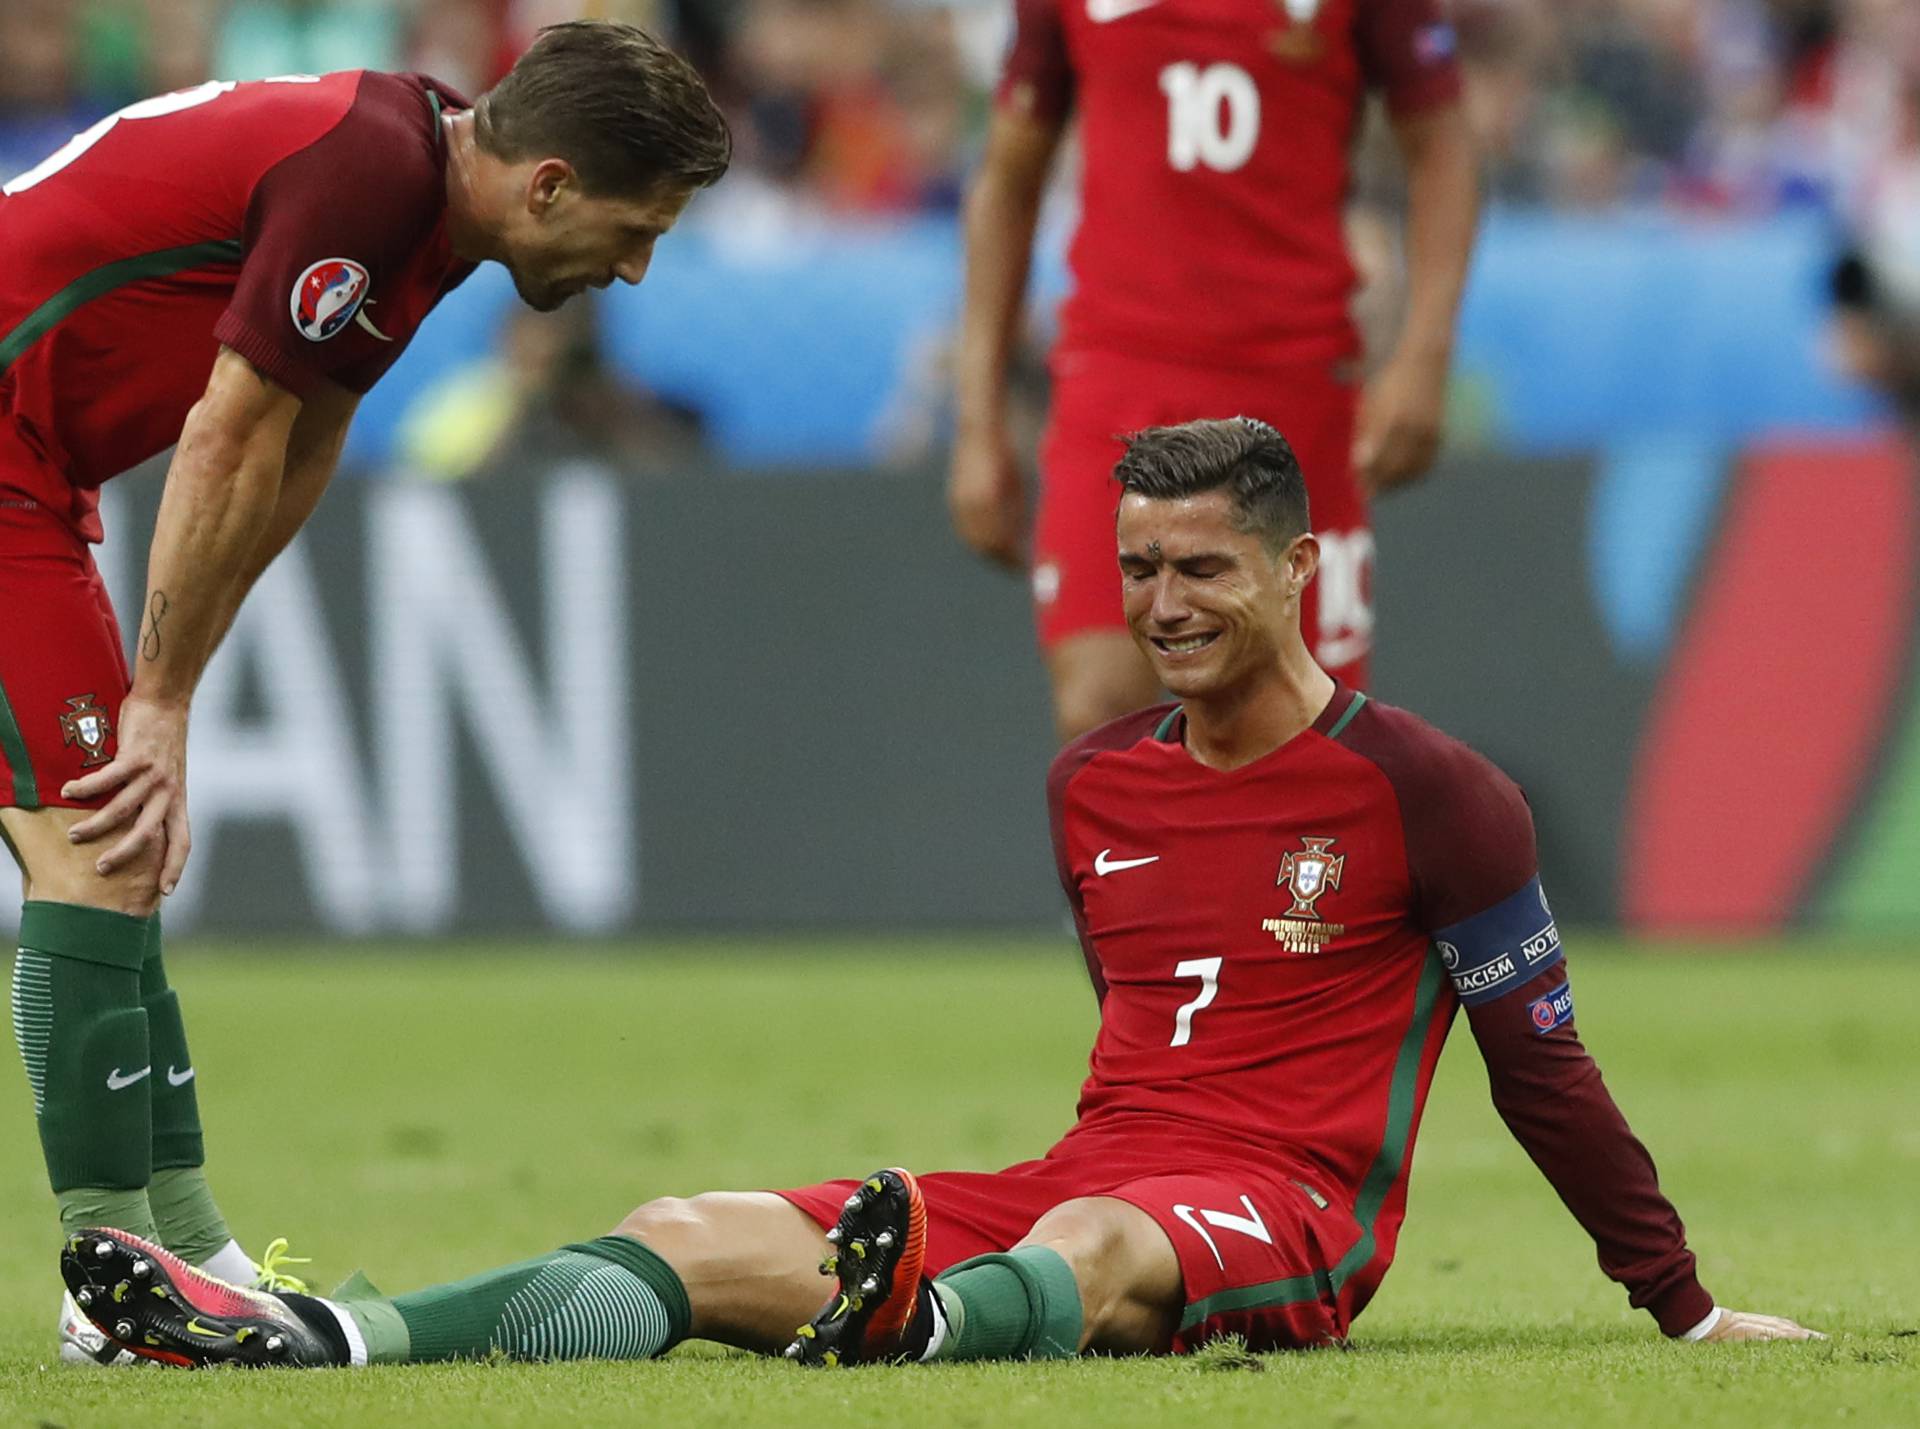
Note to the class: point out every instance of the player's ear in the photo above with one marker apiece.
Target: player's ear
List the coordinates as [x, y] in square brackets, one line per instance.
[1301, 560]
[549, 179]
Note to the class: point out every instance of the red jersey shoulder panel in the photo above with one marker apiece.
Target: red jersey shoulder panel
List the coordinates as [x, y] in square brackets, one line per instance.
[344, 225]
[1468, 829]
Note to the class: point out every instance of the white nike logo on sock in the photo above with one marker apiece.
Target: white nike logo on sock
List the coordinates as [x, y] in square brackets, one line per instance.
[178, 1079]
[118, 1083]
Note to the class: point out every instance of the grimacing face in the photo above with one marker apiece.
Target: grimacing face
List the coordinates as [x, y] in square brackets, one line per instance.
[1209, 604]
[564, 240]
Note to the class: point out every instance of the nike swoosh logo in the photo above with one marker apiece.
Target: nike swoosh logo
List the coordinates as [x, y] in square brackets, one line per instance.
[366, 322]
[179, 1079]
[194, 1327]
[1104, 862]
[118, 1083]
[1104, 12]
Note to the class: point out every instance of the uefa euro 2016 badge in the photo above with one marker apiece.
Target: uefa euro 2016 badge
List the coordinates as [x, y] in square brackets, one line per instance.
[1307, 874]
[1299, 43]
[326, 297]
[83, 722]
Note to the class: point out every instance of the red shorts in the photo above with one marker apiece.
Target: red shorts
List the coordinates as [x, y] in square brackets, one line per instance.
[1098, 397]
[63, 666]
[1256, 1249]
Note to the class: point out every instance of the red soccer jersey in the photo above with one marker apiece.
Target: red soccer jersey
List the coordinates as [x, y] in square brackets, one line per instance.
[299, 221]
[1279, 952]
[1214, 138]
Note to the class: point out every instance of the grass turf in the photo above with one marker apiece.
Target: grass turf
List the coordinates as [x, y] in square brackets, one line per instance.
[425, 1114]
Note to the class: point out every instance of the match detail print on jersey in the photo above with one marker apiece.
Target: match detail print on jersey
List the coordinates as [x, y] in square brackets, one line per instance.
[1495, 951]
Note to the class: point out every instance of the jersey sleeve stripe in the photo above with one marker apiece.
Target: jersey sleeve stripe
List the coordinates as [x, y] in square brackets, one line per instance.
[104, 280]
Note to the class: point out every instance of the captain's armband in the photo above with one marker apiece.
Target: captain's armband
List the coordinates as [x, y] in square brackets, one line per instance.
[1498, 949]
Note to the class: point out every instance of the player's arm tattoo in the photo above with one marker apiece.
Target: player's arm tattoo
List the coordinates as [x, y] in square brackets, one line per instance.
[157, 609]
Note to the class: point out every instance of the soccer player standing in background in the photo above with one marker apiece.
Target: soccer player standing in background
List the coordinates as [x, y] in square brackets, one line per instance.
[1210, 275]
[230, 267]
[1285, 892]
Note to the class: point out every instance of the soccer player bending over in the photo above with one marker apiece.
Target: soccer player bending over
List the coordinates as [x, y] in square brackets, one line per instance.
[230, 268]
[1283, 889]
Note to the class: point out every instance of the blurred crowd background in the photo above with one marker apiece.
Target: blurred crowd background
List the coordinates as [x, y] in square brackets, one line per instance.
[874, 107]
[856, 113]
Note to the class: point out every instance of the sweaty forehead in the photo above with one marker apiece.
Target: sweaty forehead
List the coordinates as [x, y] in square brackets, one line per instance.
[1170, 529]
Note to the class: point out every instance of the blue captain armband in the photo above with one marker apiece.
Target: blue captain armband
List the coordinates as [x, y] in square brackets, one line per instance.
[1493, 952]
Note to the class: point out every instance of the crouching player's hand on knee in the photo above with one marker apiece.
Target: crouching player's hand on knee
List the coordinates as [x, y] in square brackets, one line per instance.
[147, 779]
[1730, 1325]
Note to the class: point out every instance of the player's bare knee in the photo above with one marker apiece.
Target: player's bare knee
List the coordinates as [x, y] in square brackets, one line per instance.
[666, 1219]
[57, 870]
[1127, 1273]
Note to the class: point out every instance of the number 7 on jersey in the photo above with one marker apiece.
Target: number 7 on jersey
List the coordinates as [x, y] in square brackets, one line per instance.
[1208, 971]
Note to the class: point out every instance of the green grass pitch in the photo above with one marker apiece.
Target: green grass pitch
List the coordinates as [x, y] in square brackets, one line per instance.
[424, 1114]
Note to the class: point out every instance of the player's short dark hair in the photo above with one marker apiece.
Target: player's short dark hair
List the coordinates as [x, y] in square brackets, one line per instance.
[629, 114]
[1252, 461]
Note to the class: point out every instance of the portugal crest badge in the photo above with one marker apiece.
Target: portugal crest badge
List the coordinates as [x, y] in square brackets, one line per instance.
[84, 722]
[1307, 874]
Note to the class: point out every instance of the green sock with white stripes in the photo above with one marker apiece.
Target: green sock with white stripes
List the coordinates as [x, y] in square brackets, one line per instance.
[610, 1298]
[83, 1036]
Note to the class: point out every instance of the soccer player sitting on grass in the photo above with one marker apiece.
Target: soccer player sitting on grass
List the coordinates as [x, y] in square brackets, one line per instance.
[1283, 890]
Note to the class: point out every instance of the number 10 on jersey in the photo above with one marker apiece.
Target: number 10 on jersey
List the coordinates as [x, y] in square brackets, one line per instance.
[1213, 116]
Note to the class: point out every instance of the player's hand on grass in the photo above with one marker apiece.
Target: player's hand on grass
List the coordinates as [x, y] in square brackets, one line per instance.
[1744, 1325]
[988, 498]
[1402, 413]
[147, 779]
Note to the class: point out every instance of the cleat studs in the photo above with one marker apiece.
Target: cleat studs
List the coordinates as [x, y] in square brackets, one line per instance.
[120, 1291]
[141, 1270]
[83, 1299]
[123, 1329]
[806, 1332]
[102, 1249]
[827, 1266]
[876, 1185]
[834, 1236]
[852, 1202]
[793, 1351]
[884, 1239]
[859, 1249]
[869, 1285]
[275, 1344]
[858, 1303]
[830, 1359]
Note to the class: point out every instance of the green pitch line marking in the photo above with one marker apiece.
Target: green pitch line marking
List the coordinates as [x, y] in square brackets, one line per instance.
[26, 789]
[1379, 1179]
[104, 280]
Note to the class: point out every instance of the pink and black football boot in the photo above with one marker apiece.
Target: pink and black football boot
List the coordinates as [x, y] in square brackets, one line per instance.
[153, 1304]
